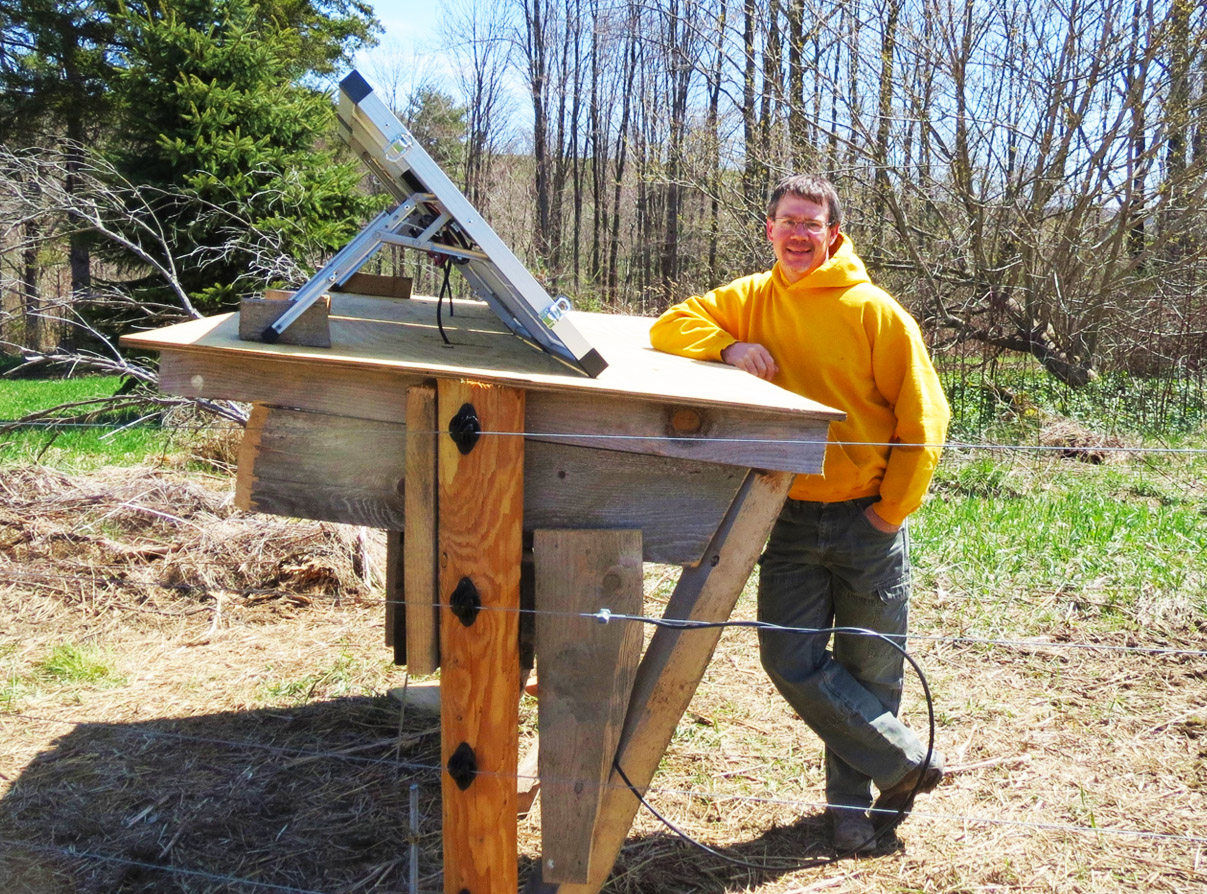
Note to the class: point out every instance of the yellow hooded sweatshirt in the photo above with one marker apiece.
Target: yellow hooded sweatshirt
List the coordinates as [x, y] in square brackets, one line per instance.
[839, 340]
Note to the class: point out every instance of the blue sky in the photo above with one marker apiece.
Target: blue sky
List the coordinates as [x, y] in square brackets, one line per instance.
[409, 50]
[410, 24]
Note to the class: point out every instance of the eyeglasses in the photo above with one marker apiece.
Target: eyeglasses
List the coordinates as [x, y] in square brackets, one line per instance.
[794, 224]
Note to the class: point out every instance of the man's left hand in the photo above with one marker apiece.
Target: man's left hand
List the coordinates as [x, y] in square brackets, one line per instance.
[878, 523]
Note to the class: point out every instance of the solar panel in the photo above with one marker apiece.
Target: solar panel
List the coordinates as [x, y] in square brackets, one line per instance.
[433, 216]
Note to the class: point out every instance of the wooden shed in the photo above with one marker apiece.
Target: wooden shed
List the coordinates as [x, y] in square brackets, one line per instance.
[517, 489]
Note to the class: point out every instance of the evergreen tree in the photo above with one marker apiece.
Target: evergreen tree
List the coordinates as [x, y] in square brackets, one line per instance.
[54, 58]
[438, 123]
[230, 145]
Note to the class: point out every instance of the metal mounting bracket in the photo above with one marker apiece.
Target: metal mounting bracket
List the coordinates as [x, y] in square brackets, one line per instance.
[434, 217]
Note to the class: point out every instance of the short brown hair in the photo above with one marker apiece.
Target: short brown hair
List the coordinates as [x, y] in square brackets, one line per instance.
[810, 187]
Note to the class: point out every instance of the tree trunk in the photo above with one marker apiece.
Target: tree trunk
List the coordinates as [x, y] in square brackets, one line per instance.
[752, 176]
[885, 114]
[714, 106]
[622, 151]
[537, 58]
[31, 301]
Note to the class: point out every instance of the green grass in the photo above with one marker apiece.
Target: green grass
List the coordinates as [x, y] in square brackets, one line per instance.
[65, 666]
[69, 664]
[348, 675]
[1017, 545]
[21, 396]
[11, 687]
[105, 440]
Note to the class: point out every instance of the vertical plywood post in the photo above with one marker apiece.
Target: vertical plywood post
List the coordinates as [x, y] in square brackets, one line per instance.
[587, 670]
[481, 504]
[420, 502]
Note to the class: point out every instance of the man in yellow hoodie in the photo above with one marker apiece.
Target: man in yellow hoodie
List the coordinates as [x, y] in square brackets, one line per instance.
[839, 553]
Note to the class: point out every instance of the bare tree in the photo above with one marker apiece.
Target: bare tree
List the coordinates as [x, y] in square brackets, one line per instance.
[33, 188]
[1027, 176]
[477, 39]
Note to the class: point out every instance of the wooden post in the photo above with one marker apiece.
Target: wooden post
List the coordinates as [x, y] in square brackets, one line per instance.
[675, 661]
[396, 615]
[586, 672]
[481, 513]
[420, 571]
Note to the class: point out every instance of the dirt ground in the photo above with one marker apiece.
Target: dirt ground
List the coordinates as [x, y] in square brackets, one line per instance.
[192, 699]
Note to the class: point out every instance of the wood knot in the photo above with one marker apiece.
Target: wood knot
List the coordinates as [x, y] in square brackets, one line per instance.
[686, 421]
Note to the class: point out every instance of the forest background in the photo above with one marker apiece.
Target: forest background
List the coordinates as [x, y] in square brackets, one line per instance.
[1027, 178]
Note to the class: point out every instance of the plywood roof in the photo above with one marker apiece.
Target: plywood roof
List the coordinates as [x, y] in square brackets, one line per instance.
[402, 334]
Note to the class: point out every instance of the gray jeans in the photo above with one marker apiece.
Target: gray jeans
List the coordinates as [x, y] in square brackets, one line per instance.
[826, 566]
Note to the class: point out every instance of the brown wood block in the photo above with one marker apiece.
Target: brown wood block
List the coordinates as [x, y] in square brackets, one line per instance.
[480, 518]
[335, 468]
[376, 284]
[311, 329]
[270, 379]
[676, 503]
[733, 435]
[586, 676]
[419, 564]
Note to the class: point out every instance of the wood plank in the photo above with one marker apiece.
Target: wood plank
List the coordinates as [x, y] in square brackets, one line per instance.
[723, 434]
[586, 673]
[486, 351]
[249, 455]
[367, 393]
[420, 567]
[480, 513]
[712, 434]
[676, 503]
[396, 616]
[675, 661]
[314, 465]
[335, 468]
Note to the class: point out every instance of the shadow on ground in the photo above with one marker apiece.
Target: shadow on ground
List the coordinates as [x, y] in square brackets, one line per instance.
[312, 798]
[242, 795]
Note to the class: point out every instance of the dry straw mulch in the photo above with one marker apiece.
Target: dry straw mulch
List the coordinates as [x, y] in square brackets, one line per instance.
[240, 732]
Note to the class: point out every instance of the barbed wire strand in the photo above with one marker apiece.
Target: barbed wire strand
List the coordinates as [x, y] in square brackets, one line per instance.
[950, 446]
[39, 579]
[309, 755]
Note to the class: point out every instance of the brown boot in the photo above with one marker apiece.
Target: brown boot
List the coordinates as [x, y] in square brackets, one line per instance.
[896, 801]
[852, 831]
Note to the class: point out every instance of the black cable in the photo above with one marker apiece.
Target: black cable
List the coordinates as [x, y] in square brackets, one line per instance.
[604, 617]
[446, 288]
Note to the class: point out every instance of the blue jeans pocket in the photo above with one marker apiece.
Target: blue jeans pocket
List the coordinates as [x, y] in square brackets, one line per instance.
[894, 592]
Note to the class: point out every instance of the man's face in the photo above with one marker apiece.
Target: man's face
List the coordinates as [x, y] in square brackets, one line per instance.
[802, 236]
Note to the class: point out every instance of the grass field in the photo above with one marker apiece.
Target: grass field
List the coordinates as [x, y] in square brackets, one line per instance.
[186, 686]
[83, 436]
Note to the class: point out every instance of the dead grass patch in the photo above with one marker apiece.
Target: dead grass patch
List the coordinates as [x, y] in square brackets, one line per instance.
[247, 737]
